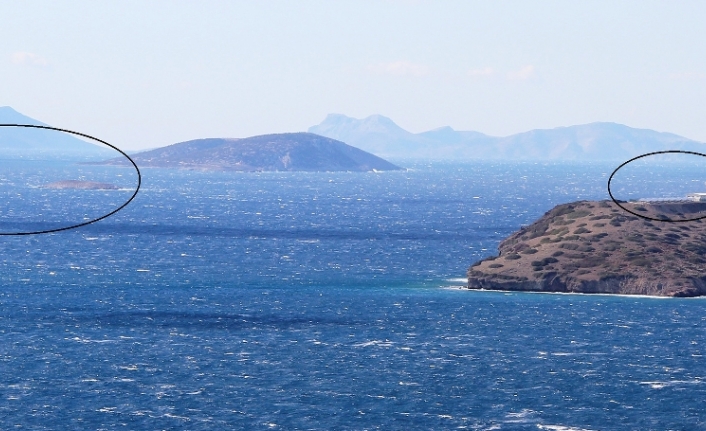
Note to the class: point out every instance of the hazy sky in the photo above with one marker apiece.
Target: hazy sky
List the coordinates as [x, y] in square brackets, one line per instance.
[150, 73]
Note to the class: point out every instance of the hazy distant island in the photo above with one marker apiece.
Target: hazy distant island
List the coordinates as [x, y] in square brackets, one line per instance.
[79, 185]
[595, 247]
[276, 152]
[28, 143]
[584, 142]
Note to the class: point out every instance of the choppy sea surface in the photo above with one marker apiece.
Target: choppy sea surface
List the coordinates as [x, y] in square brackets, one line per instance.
[321, 301]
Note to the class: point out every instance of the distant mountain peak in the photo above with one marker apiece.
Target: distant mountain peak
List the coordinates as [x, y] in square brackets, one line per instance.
[4, 109]
[337, 117]
[377, 118]
[340, 119]
[9, 116]
[370, 130]
[29, 142]
[444, 129]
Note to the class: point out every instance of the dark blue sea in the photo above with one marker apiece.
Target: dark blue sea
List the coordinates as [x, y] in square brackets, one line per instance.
[323, 301]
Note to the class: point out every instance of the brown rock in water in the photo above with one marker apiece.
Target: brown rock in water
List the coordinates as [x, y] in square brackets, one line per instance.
[79, 185]
[596, 247]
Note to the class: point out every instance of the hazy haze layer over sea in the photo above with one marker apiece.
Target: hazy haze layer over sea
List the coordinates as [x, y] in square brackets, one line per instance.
[320, 301]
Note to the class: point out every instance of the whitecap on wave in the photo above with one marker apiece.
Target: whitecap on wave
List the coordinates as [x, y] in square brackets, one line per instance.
[378, 343]
[560, 428]
[662, 385]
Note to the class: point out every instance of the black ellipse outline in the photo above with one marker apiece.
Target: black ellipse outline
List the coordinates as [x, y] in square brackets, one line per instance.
[137, 189]
[645, 155]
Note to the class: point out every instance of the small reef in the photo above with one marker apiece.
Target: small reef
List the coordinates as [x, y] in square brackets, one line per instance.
[79, 185]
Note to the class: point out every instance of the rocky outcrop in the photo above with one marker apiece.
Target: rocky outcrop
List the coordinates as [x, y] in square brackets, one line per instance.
[596, 247]
[79, 185]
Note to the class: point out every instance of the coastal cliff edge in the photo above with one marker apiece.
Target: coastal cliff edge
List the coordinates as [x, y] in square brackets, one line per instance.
[596, 247]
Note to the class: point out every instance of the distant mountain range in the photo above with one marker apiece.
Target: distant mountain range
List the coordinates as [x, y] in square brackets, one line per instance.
[276, 152]
[33, 143]
[342, 143]
[595, 141]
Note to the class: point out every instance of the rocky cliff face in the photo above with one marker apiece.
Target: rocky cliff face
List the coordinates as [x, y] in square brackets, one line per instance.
[595, 247]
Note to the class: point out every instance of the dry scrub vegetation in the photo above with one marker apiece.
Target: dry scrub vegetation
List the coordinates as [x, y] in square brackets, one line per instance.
[597, 247]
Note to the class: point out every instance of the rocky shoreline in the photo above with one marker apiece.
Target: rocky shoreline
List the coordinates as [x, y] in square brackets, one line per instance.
[595, 247]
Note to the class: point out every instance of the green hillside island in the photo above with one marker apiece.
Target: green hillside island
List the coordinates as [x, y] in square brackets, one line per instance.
[595, 247]
[277, 152]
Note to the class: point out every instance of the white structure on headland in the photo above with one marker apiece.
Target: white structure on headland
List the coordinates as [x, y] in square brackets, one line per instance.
[691, 197]
[659, 200]
[696, 197]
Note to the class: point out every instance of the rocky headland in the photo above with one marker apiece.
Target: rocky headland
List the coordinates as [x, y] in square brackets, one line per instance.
[79, 185]
[596, 247]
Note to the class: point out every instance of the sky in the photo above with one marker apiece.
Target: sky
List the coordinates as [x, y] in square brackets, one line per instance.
[144, 74]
